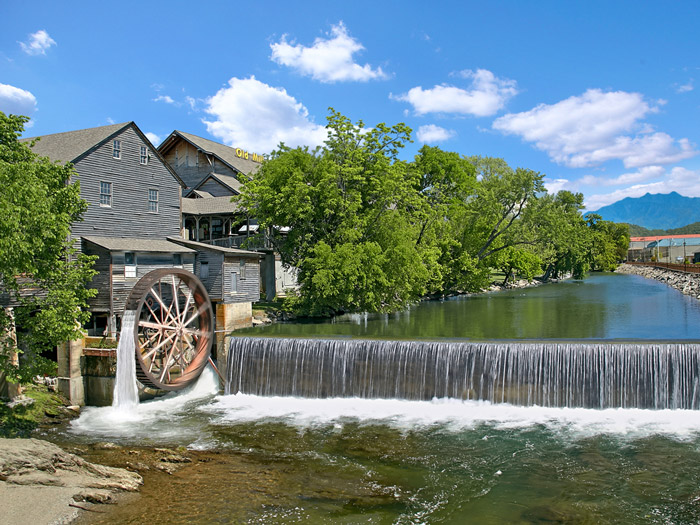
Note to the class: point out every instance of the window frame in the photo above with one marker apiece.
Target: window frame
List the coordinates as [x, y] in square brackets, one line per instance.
[130, 269]
[203, 275]
[105, 197]
[143, 156]
[153, 206]
[116, 149]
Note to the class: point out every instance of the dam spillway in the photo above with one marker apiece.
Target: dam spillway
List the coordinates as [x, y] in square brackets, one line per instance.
[551, 374]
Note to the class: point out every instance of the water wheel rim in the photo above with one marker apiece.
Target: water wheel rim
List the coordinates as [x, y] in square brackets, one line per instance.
[173, 333]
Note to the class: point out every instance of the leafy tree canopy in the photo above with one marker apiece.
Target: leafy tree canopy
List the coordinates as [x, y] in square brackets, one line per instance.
[42, 277]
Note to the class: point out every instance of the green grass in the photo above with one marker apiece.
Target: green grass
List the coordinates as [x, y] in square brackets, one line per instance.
[21, 421]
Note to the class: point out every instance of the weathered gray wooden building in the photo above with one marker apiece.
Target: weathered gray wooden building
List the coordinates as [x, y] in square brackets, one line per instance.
[133, 224]
[133, 200]
[214, 173]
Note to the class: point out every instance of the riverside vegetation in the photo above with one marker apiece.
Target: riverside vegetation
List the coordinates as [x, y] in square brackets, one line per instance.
[370, 232]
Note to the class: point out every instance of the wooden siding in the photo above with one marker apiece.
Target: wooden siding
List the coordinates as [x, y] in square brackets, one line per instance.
[145, 262]
[128, 216]
[192, 165]
[101, 302]
[248, 287]
[213, 282]
[216, 188]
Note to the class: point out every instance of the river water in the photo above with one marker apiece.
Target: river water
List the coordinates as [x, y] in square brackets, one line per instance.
[443, 460]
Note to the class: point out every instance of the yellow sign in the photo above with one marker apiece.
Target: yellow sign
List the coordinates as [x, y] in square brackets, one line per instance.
[244, 155]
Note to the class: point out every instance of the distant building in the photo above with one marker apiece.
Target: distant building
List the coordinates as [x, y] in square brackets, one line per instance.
[663, 248]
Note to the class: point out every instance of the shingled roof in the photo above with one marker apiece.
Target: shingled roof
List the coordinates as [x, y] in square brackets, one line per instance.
[225, 154]
[209, 206]
[130, 244]
[69, 146]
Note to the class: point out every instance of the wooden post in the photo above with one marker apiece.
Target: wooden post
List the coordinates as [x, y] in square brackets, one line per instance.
[8, 388]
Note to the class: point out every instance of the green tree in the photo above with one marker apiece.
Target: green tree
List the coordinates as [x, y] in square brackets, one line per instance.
[609, 242]
[42, 276]
[349, 208]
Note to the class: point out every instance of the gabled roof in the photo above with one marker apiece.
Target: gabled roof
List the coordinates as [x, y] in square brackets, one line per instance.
[213, 248]
[225, 154]
[209, 206]
[140, 244]
[71, 146]
[231, 183]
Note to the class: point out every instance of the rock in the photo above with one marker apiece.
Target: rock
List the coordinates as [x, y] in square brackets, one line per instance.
[37, 462]
[105, 445]
[175, 458]
[21, 401]
[95, 496]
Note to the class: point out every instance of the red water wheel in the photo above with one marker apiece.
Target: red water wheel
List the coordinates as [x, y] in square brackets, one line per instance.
[173, 328]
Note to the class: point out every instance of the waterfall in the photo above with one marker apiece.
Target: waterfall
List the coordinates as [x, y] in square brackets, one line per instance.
[551, 374]
[126, 393]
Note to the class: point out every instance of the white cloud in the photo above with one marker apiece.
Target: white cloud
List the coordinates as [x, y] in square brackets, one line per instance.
[164, 98]
[432, 133]
[595, 128]
[38, 43]
[327, 60]
[253, 115]
[16, 101]
[641, 175]
[191, 102]
[681, 180]
[685, 88]
[556, 185]
[155, 139]
[486, 95]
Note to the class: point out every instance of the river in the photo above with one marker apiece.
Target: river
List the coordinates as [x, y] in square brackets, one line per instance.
[282, 459]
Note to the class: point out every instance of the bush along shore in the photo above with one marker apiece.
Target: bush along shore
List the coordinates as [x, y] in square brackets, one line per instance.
[688, 283]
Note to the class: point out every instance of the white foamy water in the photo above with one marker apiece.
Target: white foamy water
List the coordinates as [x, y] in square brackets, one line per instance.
[126, 392]
[454, 415]
[154, 418]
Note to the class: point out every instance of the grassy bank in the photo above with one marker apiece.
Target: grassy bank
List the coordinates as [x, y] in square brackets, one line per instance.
[22, 420]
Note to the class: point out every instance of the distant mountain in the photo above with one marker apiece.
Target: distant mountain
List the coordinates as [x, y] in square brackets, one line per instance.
[662, 211]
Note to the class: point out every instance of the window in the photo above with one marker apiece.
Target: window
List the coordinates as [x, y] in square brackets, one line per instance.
[234, 282]
[177, 260]
[153, 201]
[242, 272]
[117, 149]
[204, 270]
[106, 194]
[144, 155]
[129, 264]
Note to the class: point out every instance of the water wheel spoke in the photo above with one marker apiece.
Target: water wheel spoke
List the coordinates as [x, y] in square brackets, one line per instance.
[176, 298]
[156, 348]
[166, 365]
[164, 308]
[195, 315]
[158, 326]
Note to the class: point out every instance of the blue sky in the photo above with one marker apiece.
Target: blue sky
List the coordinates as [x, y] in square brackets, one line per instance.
[600, 96]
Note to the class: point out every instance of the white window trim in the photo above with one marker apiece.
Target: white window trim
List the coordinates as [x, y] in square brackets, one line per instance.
[130, 269]
[117, 148]
[156, 201]
[143, 156]
[110, 194]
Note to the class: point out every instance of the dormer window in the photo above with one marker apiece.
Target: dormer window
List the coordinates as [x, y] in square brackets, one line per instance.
[117, 149]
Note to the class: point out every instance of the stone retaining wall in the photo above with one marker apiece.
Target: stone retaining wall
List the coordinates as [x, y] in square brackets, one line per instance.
[688, 283]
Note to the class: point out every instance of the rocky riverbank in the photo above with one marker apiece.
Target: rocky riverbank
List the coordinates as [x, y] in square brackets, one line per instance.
[41, 483]
[688, 283]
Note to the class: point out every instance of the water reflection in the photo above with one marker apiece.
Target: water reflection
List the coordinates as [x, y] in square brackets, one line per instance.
[603, 306]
